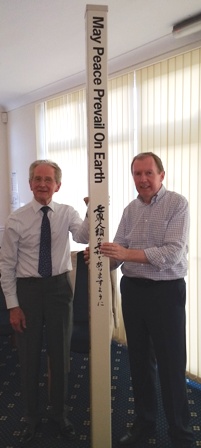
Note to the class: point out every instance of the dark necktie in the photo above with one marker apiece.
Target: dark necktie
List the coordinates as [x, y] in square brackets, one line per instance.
[45, 262]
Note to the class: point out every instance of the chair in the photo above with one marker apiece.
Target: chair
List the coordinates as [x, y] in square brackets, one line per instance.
[80, 334]
[80, 341]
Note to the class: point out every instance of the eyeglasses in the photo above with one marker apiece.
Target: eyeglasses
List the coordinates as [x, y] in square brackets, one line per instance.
[46, 180]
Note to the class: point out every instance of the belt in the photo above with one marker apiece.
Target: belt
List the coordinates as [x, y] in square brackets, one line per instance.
[149, 281]
[52, 279]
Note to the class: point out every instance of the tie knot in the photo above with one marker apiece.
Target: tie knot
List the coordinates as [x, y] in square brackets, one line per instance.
[45, 209]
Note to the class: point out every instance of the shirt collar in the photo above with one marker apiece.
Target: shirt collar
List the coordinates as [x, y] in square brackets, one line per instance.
[156, 197]
[160, 193]
[37, 206]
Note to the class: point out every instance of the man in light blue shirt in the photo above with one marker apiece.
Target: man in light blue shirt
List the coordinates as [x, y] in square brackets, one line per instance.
[151, 245]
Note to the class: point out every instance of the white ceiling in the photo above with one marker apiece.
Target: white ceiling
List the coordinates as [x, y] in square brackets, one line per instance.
[42, 42]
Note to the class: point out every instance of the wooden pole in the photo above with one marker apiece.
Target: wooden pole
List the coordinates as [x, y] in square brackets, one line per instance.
[97, 123]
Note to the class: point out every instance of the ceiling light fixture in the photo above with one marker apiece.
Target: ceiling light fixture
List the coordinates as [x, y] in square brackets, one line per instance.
[187, 27]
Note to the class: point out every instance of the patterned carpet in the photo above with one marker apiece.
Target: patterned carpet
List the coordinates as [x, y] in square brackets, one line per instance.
[11, 416]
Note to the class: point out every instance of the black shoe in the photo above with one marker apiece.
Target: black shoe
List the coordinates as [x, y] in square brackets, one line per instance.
[66, 429]
[137, 432]
[185, 440]
[28, 434]
[183, 444]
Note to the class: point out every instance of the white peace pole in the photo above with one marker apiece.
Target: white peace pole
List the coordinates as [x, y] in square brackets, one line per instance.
[97, 118]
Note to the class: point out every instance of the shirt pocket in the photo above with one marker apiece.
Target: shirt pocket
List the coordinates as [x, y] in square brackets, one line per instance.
[157, 232]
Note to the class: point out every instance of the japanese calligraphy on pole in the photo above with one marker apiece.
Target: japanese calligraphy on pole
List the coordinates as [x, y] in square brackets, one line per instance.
[97, 126]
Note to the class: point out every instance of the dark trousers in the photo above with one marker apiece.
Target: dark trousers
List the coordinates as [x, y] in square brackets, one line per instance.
[45, 301]
[154, 318]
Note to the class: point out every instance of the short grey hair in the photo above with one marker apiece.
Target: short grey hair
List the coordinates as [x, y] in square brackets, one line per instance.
[57, 169]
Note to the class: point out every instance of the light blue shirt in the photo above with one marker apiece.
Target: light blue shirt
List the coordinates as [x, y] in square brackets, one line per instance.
[161, 229]
[21, 241]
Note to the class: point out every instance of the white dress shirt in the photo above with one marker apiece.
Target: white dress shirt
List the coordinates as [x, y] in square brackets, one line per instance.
[21, 242]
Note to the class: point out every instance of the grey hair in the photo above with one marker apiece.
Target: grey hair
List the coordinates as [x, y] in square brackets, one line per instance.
[57, 169]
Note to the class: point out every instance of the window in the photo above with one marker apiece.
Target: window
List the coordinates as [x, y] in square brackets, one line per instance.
[159, 112]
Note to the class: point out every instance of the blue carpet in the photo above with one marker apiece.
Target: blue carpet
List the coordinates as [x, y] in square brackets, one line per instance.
[122, 404]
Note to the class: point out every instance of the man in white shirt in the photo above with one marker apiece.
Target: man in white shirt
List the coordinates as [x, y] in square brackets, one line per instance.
[36, 299]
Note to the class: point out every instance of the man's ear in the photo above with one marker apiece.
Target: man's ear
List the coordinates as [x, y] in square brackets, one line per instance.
[30, 185]
[162, 175]
[57, 187]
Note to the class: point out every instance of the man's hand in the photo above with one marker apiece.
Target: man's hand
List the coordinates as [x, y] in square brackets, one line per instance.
[86, 200]
[121, 254]
[87, 255]
[17, 319]
[114, 250]
[111, 250]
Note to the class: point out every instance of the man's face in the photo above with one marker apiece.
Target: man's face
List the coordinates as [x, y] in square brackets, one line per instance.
[147, 179]
[43, 183]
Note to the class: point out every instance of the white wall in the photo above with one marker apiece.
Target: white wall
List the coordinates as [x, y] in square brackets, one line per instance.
[22, 148]
[17, 152]
[4, 180]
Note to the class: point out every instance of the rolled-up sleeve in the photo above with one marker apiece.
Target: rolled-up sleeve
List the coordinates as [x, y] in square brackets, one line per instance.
[176, 236]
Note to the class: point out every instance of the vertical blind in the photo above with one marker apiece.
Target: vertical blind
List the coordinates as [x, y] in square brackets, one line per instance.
[65, 131]
[169, 124]
[121, 152]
